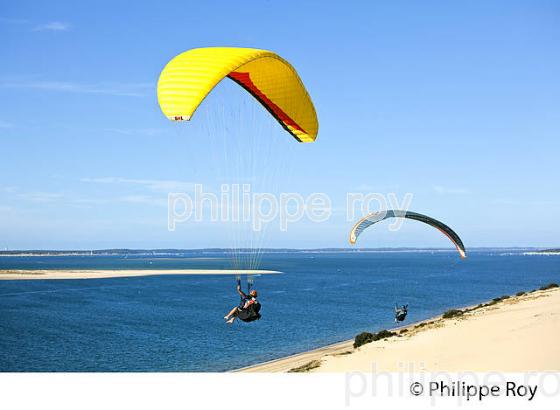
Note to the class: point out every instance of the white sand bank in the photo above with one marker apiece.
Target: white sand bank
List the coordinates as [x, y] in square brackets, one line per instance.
[97, 274]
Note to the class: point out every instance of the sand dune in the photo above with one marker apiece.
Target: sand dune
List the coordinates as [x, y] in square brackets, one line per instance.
[516, 335]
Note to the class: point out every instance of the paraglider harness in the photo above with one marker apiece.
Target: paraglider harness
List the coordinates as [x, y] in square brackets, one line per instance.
[251, 313]
[400, 312]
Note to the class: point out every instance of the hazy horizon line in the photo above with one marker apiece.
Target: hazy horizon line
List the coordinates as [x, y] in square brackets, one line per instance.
[225, 249]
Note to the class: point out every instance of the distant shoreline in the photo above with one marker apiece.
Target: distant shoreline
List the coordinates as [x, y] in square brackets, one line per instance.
[221, 251]
[543, 253]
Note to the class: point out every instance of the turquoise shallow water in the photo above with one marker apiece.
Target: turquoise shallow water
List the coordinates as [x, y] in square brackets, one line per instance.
[174, 323]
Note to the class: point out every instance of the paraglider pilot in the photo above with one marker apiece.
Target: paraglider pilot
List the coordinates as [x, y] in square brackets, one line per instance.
[248, 309]
[400, 313]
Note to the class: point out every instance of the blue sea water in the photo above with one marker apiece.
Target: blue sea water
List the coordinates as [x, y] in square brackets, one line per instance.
[174, 323]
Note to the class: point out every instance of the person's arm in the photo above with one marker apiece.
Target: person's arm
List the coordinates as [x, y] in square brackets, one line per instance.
[241, 293]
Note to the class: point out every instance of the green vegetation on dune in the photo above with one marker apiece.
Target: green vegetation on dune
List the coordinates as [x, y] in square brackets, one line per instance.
[452, 313]
[306, 367]
[367, 337]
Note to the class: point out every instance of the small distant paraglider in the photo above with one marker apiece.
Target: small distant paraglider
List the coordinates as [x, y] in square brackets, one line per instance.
[375, 217]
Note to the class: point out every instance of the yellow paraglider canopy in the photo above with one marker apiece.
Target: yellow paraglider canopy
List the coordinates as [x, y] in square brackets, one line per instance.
[189, 77]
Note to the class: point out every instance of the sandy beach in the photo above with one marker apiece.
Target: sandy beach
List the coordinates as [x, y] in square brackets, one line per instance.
[15, 274]
[517, 334]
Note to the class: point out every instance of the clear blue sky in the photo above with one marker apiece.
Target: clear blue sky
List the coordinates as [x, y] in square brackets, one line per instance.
[455, 102]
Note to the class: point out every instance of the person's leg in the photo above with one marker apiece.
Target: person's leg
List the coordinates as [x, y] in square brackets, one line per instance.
[232, 312]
